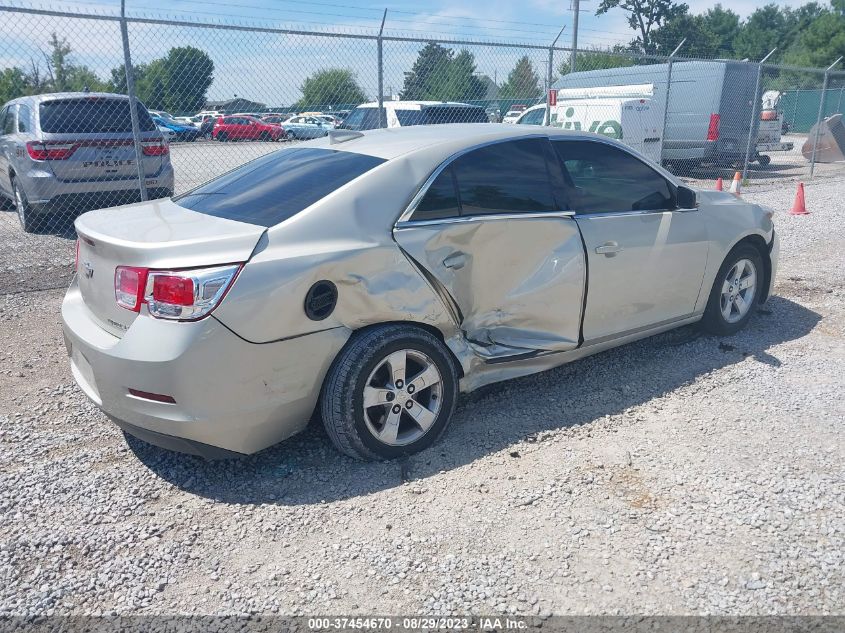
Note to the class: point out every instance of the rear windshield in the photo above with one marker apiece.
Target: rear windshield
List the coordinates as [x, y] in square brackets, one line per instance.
[275, 187]
[91, 115]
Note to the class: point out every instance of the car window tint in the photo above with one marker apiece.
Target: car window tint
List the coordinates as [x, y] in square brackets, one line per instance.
[362, 119]
[24, 118]
[277, 186]
[9, 121]
[91, 115]
[441, 199]
[504, 177]
[433, 115]
[606, 179]
[409, 117]
[535, 117]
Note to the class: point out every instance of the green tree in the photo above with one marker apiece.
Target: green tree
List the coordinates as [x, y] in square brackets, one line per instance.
[117, 79]
[461, 82]
[13, 84]
[764, 30]
[334, 86]
[700, 40]
[522, 82]
[59, 65]
[187, 73]
[151, 85]
[644, 15]
[596, 59]
[429, 75]
[820, 43]
[725, 26]
[82, 78]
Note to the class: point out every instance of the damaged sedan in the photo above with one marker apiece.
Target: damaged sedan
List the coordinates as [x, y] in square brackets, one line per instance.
[368, 278]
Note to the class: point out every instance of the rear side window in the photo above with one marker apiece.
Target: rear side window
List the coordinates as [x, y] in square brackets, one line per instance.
[535, 117]
[441, 199]
[24, 118]
[606, 179]
[362, 119]
[277, 186]
[505, 178]
[9, 119]
[91, 115]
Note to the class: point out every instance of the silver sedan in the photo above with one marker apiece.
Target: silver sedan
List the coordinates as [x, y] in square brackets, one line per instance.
[370, 277]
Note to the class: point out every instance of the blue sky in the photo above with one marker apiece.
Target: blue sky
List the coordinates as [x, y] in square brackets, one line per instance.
[271, 67]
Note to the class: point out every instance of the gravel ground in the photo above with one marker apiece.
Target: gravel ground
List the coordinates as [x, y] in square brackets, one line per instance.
[683, 474]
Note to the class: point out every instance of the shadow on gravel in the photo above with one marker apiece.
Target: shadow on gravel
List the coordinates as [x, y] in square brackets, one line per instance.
[306, 469]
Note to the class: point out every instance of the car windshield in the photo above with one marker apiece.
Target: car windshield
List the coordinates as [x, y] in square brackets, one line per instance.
[362, 119]
[91, 115]
[275, 187]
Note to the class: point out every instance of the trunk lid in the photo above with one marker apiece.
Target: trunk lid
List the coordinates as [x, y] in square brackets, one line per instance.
[156, 234]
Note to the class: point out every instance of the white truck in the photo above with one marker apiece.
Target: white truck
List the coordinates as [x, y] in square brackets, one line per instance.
[625, 113]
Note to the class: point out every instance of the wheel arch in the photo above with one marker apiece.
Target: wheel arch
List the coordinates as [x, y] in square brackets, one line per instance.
[759, 243]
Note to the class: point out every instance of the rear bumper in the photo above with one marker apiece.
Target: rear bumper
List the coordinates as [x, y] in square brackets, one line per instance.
[43, 188]
[229, 394]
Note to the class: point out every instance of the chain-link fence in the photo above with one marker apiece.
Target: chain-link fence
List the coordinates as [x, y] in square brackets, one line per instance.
[103, 110]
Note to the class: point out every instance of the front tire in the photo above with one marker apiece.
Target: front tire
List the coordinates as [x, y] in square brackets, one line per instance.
[736, 291]
[390, 392]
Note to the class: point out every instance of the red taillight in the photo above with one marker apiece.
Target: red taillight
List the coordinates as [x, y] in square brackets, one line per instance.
[154, 148]
[713, 128]
[173, 290]
[129, 285]
[50, 151]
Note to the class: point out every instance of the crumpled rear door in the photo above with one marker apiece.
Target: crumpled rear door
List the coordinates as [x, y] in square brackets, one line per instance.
[518, 282]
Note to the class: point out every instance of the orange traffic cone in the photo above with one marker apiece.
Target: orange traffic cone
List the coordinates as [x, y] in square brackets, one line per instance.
[736, 185]
[719, 186]
[798, 207]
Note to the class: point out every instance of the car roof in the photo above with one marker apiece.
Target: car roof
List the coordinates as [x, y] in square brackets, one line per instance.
[400, 104]
[391, 143]
[53, 96]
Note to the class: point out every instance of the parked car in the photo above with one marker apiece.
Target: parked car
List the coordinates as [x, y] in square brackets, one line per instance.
[237, 128]
[69, 151]
[404, 113]
[371, 276]
[511, 116]
[306, 127]
[181, 131]
[277, 119]
[166, 132]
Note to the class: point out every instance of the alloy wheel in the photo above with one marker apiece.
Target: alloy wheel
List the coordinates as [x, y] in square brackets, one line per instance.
[738, 290]
[402, 397]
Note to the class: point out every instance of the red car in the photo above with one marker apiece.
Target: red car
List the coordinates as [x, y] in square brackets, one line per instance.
[232, 128]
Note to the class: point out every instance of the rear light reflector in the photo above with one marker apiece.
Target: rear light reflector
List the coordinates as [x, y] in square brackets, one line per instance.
[155, 397]
[713, 128]
[129, 286]
[50, 151]
[154, 148]
[173, 290]
[184, 295]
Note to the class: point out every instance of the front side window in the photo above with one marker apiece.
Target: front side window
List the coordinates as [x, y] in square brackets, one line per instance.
[275, 187]
[602, 178]
[505, 178]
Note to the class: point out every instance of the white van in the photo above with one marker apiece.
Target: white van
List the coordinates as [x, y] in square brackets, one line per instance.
[404, 113]
[637, 122]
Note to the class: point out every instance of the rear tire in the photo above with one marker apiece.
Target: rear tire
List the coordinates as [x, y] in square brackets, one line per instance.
[372, 409]
[735, 291]
[265, 137]
[26, 214]
[221, 137]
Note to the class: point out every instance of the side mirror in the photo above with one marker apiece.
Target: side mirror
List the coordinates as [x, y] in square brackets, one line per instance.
[686, 198]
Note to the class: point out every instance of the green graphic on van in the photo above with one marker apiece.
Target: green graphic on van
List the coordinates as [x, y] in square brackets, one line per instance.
[610, 128]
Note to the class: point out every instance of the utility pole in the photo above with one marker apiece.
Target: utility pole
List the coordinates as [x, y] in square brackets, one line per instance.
[550, 77]
[576, 8]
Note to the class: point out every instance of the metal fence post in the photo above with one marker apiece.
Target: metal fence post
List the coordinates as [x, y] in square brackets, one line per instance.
[549, 78]
[820, 117]
[754, 114]
[666, 98]
[133, 104]
[382, 120]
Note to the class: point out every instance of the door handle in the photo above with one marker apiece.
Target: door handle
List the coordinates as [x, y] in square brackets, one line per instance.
[609, 249]
[455, 261]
